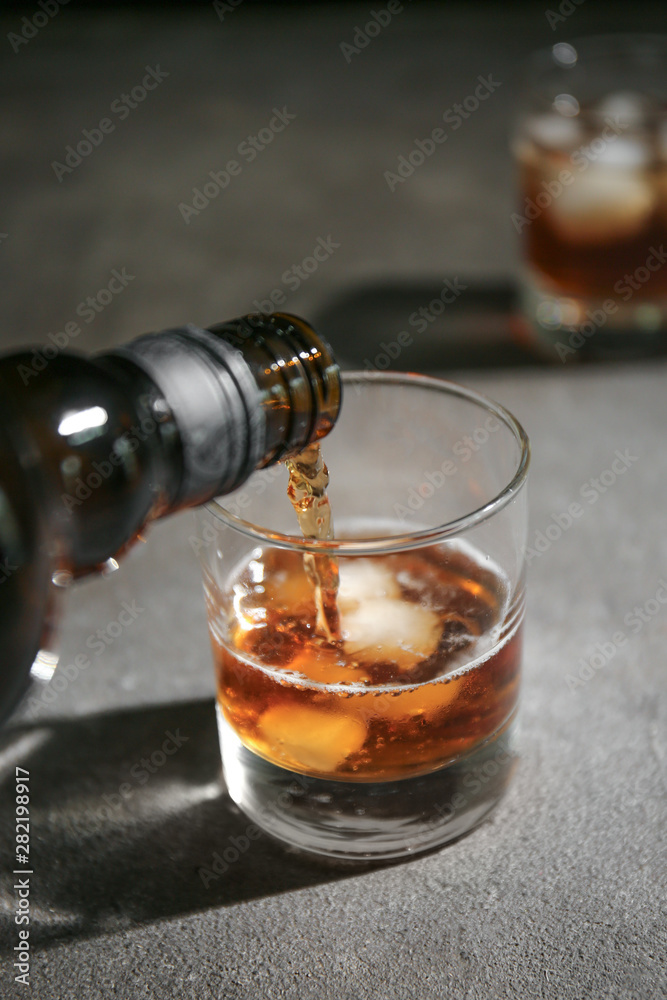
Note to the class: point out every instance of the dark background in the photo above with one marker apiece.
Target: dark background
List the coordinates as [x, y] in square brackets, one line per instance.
[561, 893]
[323, 176]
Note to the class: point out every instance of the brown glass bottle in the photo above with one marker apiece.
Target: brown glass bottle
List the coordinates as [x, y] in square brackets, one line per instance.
[94, 448]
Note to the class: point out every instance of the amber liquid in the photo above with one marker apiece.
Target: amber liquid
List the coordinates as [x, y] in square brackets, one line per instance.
[425, 666]
[605, 222]
[307, 491]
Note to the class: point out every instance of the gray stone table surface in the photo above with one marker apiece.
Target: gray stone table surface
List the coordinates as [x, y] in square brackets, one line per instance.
[561, 893]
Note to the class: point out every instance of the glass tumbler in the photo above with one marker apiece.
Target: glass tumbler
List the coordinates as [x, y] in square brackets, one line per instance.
[591, 152]
[397, 733]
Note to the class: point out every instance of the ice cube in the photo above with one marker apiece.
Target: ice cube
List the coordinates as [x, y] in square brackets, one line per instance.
[555, 131]
[362, 580]
[390, 629]
[626, 108]
[327, 665]
[311, 738]
[603, 203]
[619, 151]
[427, 699]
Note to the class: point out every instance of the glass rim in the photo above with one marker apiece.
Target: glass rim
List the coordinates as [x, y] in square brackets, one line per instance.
[375, 545]
[538, 67]
[596, 46]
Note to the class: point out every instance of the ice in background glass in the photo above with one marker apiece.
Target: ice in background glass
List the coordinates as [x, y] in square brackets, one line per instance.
[591, 148]
[401, 735]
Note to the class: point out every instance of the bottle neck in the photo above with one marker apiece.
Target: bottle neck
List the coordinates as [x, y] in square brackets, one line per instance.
[296, 375]
[241, 395]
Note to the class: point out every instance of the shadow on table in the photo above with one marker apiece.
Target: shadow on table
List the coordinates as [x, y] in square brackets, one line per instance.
[127, 811]
[450, 325]
[454, 325]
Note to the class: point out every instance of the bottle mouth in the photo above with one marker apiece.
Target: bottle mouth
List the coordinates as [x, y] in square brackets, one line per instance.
[296, 374]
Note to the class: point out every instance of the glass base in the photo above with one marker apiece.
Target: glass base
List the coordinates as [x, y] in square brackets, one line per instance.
[576, 328]
[369, 820]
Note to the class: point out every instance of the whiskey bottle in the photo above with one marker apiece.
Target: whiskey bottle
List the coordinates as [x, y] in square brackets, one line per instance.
[94, 448]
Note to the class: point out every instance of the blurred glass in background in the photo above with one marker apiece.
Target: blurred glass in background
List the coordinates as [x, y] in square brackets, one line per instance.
[591, 149]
